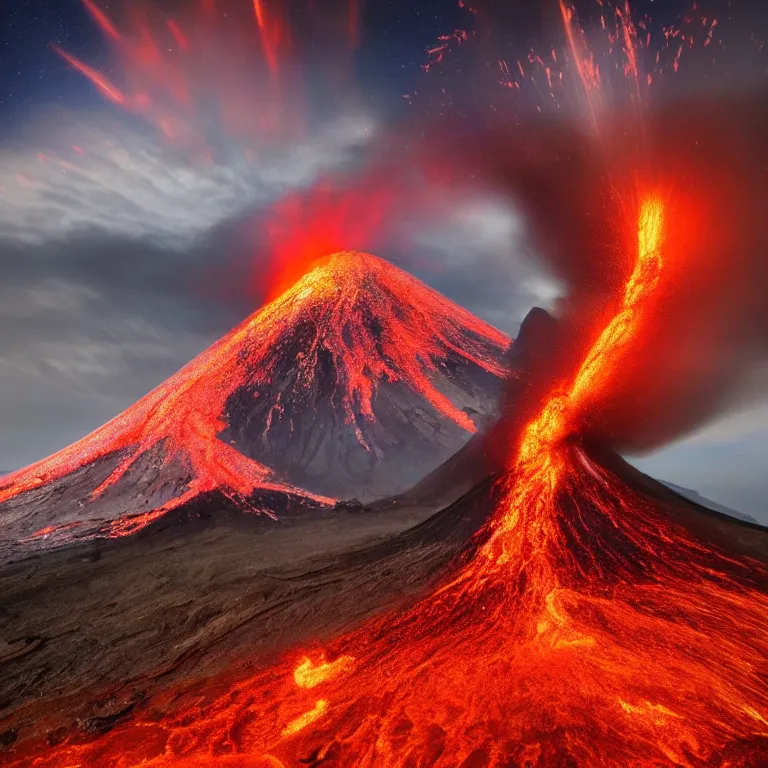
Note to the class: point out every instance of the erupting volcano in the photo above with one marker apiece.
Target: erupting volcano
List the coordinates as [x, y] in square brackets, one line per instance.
[356, 381]
[595, 620]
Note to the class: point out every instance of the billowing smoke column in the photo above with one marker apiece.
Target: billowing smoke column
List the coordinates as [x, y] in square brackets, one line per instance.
[709, 324]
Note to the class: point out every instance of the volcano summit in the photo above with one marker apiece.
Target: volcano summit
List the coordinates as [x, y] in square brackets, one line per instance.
[357, 381]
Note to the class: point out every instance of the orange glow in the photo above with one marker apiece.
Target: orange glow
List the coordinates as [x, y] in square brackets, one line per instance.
[629, 34]
[101, 19]
[270, 33]
[642, 282]
[309, 675]
[259, 11]
[583, 59]
[303, 228]
[301, 722]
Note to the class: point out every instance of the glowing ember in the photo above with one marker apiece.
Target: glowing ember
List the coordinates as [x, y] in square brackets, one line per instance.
[641, 51]
[589, 629]
[101, 19]
[375, 322]
[270, 31]
[99, 80]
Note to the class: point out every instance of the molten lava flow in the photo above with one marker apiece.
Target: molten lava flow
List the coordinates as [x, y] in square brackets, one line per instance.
[375, 322]
[591, 628]
[308, 675]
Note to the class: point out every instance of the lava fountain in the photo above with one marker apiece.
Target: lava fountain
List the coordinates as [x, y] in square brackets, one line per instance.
[595, 623]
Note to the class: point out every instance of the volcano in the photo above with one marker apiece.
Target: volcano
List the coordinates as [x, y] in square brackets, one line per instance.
[592, 617]
[355, 382]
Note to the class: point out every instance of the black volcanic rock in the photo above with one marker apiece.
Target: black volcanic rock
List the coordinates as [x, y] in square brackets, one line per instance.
[484, 455]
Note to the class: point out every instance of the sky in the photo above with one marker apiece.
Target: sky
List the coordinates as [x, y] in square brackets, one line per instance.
[131, 235]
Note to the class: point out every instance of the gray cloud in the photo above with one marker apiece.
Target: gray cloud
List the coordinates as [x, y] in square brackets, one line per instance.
[89, 325]
[477, 253]
[730, 470]
[119, 265]
[118, 176]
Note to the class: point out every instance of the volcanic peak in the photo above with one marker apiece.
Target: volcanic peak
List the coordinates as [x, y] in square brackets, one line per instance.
[378, 323]
[352, 322]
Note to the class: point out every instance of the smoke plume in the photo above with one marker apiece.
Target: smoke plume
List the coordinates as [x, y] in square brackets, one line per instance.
[707, 327]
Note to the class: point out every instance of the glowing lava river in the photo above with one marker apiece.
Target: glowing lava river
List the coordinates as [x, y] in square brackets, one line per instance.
[592, 624]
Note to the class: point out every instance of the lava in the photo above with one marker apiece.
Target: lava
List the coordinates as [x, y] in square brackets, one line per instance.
[339, 302]
[592, 626]
[595, 622]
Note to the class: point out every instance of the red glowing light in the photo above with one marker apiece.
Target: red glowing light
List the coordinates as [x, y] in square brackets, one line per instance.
[99, 80]
[582, 56]
[161, 76]
[178, 35]
[271, 31]
[304, 228]
[101, 19]
[185, 415]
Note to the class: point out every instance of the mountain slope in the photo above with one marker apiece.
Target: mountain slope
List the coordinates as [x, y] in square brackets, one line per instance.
[374, 380]
[702, 501]
[357, 381]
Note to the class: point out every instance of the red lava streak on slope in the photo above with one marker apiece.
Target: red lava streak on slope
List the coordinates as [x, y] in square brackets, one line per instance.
[590, 629]
[349, 290]
[339, 300]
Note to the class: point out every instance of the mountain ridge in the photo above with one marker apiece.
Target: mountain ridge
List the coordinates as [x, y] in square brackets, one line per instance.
[357, 378]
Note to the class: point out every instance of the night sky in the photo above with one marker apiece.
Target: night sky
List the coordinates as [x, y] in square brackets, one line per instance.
[118, 247]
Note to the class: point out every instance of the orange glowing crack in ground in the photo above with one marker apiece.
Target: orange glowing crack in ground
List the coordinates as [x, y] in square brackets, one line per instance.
[588, 630]
[185, 415]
